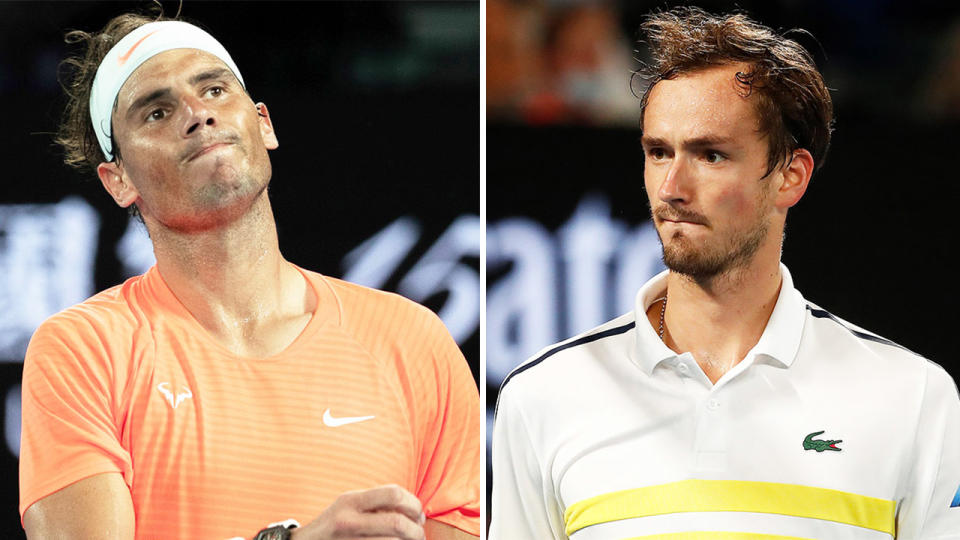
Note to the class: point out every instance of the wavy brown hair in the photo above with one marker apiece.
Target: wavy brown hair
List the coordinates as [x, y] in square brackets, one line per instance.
[794, 105]
[76, 134]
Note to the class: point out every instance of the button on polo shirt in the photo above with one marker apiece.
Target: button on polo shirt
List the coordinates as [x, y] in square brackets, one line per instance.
[714, 407]
[613, 435]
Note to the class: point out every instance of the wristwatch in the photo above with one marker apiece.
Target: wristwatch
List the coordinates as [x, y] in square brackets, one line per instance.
[277, 532]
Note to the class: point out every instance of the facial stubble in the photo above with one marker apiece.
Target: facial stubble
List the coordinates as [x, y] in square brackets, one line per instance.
[725, 256]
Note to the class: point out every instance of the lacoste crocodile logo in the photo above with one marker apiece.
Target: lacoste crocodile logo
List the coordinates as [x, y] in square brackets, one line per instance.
[809, 443]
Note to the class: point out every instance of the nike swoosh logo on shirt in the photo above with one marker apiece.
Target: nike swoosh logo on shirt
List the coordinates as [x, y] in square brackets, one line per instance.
[126, 56]
[329, 420]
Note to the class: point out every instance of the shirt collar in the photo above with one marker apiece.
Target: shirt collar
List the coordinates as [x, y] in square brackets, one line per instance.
[778, 344]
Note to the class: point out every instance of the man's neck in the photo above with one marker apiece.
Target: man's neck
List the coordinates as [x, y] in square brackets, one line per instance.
[235, 282]
[719, 320]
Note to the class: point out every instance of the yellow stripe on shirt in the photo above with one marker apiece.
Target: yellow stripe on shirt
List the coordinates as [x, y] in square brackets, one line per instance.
[734, 496]
[715, 535]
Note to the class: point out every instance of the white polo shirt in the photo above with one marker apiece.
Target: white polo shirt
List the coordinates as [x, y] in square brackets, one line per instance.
[823, 431]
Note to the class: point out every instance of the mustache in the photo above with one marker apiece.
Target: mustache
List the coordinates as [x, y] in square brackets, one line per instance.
[671, 213]
[199, 144]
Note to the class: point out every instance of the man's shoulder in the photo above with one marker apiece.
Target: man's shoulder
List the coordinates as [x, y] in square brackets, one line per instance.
[854, 349]
[107, 310]
[365, 312]
[836, 331]
[107, 316]
[353, 293]
[576, 357]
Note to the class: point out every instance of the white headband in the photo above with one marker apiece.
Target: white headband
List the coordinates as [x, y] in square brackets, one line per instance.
[134, 49]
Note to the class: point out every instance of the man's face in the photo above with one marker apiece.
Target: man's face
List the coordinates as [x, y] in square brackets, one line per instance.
[191, 143]
[705, 159]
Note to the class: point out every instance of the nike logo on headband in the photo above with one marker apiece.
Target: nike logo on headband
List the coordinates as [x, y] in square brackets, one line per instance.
[126, 56]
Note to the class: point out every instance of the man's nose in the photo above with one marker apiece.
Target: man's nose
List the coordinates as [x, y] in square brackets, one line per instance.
[676, 183]
[196, 115]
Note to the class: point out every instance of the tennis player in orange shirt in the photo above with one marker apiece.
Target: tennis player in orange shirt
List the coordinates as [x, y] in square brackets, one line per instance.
[227, 391]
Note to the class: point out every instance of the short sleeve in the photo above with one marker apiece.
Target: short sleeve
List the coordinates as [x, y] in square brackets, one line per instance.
[451, 432]
[931, 507]
[69, 423]
[518, 507]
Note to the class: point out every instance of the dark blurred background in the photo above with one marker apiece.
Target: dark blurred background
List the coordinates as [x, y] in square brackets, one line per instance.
[568, 242]
[376, 105]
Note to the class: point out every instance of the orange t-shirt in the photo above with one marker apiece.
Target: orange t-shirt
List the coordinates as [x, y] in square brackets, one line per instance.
[212, 446]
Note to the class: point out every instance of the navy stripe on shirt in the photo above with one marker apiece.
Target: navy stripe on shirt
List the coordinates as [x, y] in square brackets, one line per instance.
[580, 341]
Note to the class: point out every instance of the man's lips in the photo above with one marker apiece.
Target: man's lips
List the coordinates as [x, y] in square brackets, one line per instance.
[207, 148]
[688, 220]
[681, 221]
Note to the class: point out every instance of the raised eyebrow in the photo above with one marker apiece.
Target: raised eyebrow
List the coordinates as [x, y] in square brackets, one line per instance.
[215, 73]
[700, 143]
[161, 93]
[143, 101]
[649, 142]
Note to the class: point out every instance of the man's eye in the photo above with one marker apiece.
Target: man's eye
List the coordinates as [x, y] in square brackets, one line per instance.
[657, 153]
[713, 156]
[216, 91]
[155, 115]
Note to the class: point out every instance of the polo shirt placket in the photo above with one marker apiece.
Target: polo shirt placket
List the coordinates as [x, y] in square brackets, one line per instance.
[713, 404]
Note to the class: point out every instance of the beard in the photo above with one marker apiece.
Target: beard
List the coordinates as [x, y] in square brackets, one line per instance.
[706, 262]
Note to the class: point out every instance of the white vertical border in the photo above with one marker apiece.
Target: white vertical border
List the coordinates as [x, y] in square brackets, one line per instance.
[482, 383]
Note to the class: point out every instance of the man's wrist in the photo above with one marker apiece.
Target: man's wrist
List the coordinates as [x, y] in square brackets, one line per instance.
[278, 531]
[273, 533]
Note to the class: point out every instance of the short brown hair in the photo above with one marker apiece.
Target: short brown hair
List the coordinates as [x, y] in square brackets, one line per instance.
[794, 104]
[76, 134]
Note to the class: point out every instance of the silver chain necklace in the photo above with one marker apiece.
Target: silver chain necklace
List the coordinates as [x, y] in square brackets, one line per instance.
[663, 311]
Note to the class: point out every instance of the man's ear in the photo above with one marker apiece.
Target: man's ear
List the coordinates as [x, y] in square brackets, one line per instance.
[266, 127]
[796, 178]
[117, 185]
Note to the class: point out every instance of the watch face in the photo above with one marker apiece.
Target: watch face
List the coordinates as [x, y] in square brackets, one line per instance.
[274, 533]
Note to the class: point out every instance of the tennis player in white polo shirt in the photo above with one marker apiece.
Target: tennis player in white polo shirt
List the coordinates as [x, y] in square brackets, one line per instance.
[727, 406]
